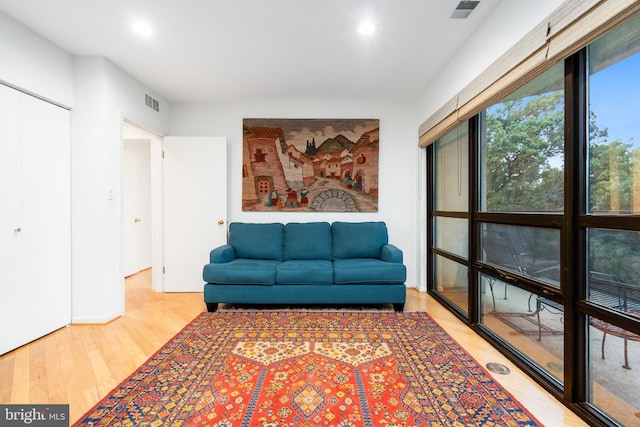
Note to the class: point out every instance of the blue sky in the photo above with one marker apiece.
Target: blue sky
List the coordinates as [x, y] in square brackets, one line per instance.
[614, 95]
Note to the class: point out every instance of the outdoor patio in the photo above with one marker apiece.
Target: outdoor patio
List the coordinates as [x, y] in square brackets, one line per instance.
[537, 330]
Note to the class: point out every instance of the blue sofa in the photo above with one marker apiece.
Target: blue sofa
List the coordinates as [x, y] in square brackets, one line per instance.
[306, 263]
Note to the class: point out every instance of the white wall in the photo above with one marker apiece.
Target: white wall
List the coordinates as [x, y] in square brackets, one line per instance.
[33, 64]
[104, 96]
[398, 164]
[510, 21]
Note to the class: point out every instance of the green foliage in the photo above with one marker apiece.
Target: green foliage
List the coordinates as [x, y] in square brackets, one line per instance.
[615, 252]
[524, 152]
[521, 138]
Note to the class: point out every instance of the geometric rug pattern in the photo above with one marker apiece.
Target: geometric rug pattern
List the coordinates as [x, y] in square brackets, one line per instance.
[310, 368]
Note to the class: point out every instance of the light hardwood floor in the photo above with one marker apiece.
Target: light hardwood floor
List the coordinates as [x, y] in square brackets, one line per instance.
[80, 364]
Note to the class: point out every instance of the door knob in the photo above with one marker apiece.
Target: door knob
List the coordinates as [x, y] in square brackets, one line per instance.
[17, 230]
[137, 220]
[220, 221]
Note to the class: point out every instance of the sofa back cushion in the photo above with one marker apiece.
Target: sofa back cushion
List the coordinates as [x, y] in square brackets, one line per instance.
[311, 240]
[257, 241]
[358, 239]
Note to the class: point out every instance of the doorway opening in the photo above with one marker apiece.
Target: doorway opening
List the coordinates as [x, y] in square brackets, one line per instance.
[139, 185]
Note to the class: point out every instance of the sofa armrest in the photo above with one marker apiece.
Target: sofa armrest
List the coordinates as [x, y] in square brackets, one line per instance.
[391, 253]
[222, 254]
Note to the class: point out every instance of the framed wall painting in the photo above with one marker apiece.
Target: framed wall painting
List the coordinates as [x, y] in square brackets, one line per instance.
[310, 165]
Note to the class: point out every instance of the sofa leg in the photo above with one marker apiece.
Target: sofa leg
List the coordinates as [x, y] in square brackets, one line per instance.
[399, 307]
[212, 306]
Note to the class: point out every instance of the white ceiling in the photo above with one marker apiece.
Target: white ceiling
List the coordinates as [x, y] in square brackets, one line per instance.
[229, 50]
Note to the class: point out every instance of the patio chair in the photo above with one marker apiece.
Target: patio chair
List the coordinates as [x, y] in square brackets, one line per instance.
[610, 291]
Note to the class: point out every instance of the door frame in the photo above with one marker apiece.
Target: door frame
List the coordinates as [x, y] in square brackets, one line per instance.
[155, 141]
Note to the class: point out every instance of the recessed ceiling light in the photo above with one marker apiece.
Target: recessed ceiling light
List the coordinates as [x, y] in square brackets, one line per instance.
[366, 28]
[142, 28]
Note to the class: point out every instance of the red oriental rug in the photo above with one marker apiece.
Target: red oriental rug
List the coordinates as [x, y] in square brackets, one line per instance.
[304, 368]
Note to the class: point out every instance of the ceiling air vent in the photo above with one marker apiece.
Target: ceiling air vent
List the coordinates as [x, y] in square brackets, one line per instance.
[151, 102]
[464, 9]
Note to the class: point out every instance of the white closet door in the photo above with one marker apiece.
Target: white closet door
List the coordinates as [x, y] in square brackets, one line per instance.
[10, 239]
[194, 208]
[46, 216]
[35, 219]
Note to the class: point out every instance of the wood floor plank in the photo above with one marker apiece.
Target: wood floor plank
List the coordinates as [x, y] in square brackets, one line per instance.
[72, 375]
[99, 365]
[21, 376]
[112, 355]
[38, 389]
[55, 379]
[7, 369]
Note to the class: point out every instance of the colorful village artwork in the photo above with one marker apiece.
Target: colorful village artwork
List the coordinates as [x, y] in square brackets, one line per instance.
[310, 165]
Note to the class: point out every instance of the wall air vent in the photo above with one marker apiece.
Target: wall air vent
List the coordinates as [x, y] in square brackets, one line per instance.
[151, 102]
[464, 9]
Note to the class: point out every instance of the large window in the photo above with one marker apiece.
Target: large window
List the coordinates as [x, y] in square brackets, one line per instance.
[613, 247]
[450, 226]
[534, 226]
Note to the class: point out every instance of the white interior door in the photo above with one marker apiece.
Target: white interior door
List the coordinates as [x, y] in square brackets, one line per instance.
[194, 207]
[136, 183]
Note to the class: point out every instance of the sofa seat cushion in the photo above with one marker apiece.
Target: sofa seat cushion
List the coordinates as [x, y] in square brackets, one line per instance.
[242, 271]
[367, 271]
[305, 272]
